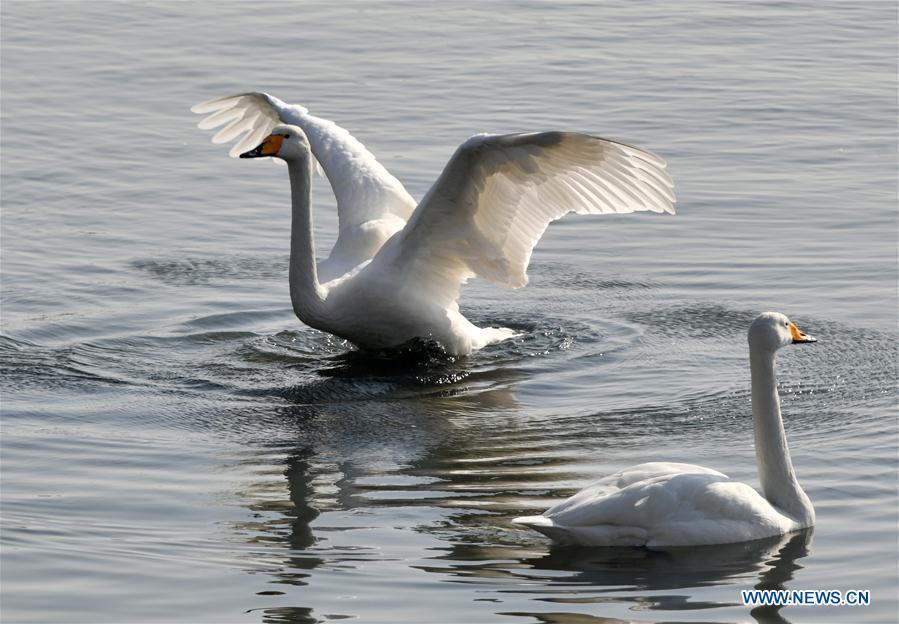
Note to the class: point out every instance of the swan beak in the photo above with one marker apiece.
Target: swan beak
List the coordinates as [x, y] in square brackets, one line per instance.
[799, 337]
[268, 147]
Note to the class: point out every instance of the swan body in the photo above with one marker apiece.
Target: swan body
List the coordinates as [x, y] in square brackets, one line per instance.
[397, 268]
[672, 504]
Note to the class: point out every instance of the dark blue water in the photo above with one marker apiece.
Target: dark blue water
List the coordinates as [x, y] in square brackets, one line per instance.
[177, 447]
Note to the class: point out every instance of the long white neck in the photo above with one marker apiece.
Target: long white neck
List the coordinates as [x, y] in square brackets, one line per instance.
[306, 294]
[779, 483]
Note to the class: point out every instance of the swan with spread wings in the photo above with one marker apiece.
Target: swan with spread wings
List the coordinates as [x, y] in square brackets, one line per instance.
[396, 269]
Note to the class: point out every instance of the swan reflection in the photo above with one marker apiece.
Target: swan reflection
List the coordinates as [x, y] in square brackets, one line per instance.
[574, 577]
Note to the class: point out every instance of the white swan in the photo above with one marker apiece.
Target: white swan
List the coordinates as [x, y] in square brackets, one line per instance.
[388, 281]
[667, 504]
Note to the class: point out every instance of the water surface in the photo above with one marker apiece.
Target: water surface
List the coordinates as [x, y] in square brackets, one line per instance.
[177, 447]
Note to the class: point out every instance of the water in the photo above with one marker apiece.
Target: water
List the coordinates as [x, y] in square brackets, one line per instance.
[177, 447]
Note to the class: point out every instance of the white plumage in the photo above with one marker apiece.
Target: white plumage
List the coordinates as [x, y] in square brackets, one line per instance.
[387, 281]
[670, 504]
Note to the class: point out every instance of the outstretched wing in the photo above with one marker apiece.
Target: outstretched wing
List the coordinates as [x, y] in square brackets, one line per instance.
[364, 189]
[497, 195]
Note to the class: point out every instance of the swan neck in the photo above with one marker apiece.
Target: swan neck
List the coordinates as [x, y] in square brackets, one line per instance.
[306, 294]
[778, 479]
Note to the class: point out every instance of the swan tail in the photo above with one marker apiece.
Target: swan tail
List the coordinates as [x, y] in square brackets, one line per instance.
[533, 521]
[597, 535]
[492, 335]
[544, 525]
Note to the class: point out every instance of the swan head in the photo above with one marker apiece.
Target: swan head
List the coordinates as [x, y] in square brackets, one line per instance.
[771, 331]
[285, 142]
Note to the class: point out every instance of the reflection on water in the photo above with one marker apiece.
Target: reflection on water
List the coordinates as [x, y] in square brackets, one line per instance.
[603, 571]
[675, 568]
[780, 571]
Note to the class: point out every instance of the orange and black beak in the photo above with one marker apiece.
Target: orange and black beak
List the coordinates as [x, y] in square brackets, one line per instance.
[268, 147]
[799, 337]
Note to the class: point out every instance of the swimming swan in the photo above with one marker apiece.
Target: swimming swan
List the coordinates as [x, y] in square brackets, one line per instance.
[667, 504]
[396, 269]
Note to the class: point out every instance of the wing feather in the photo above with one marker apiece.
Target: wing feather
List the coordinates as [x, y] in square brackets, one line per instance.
[364, 189]
[497, 195]
[223, 116]
[235, 128]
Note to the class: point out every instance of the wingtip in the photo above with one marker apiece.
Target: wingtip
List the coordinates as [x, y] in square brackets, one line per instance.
[224, 102]
[210, 105]
[533, 521]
